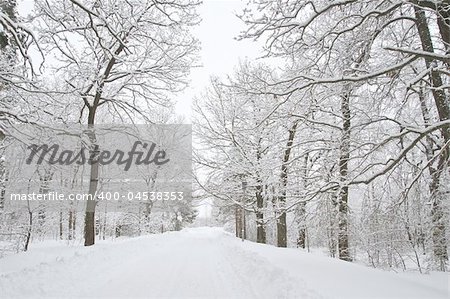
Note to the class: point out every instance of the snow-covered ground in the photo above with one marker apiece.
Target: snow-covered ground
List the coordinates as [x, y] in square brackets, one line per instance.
[200, 262]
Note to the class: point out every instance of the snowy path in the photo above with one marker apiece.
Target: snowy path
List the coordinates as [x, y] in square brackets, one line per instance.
[197, 263]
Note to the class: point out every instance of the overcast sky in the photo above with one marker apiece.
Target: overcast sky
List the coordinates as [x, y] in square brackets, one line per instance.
[220, 52]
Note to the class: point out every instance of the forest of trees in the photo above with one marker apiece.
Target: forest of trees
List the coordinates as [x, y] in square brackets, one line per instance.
[88, 63]
[346, 145]
[337, 138]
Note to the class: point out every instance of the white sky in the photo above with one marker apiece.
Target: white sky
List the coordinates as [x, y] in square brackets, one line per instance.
[220, 52]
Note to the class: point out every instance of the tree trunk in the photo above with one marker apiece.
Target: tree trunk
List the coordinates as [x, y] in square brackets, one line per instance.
[3, 178]
[74, 231]
[437, 213]
[119, 230]
[332, 212]
[60, 225]
[443, 108]
[282, 230]
[281, 219]
[442, 18]
[89, 220]
[244, 227]
[238, 224]
[260, 229]
[89, 227]
[146, 213]
[437, 217]
[301, 209]
[440, 98]
[105, 214]
[343, 245]
[443, 21]
[301, 225]
[30, 227]
[70, 234]
[2, 195]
